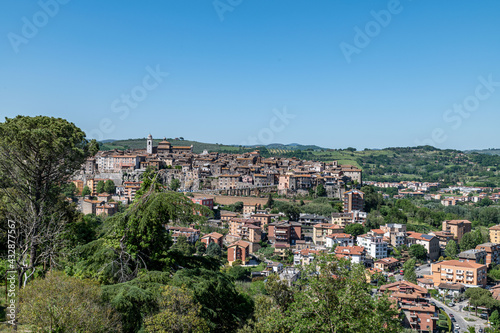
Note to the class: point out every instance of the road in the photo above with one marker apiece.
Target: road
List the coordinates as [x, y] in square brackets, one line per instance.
[423, 270]
[459, 317]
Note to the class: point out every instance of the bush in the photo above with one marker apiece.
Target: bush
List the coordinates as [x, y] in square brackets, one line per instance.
[60, 303]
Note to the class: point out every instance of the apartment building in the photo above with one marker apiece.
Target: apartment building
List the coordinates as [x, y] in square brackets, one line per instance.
[357, 254]
[284, 232]
[375, 246]
[411, 299]
[492, 253]
[431, 243]
[473, 255]
[321, 230]
[353, 200]
[191, 234]
[131, 189]
[213, 237]
[264, 219]
[386, 264]
[247, 229]
[396, 233]
[342, 219]
[207, 202]
[495, 234]
[239, 250]
[339, 239]
[457, 227]
[468, 273]
[227, 182]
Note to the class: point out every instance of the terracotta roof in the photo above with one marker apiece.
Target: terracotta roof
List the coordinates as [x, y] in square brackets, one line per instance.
[214, 235]
[388, 260]
[350, 250]
[339, 235]
[240, 243]
[458, 263]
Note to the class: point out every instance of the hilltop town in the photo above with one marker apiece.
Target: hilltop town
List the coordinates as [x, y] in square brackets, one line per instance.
[266, 237]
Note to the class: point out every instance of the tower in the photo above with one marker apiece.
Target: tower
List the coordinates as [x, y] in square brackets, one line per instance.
[150, 144]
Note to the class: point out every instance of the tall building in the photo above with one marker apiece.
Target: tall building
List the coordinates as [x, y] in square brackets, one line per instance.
[150, 144]
[457, 227]
[353, 200]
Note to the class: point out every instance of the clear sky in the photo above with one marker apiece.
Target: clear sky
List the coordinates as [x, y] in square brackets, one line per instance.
[366, 74]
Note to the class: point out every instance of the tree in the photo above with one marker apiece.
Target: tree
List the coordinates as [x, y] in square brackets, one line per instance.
[69, 190]
[86, 191]
[418, 252]
[336, 298]
[201, 248]
[451, 249]
[470, 240]
[137, 239]
[292, 212]
[495, 318]
[320, 191]
[110, 187]
[354, 229]
[38, 155]
[214, 250]
[270, 201]
[409, 271]
[238, 273]
[59, 303]
[175, 184]
[183, 246]
[100, 187]
[179, 312]
[222, 306]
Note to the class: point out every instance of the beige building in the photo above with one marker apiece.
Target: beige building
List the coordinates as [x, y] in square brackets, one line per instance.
[457, 227]
[467, 273]
[342, 219]
[495, 234]
[321, 230]
[431, 243]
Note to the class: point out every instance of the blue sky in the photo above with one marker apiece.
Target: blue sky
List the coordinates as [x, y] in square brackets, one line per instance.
[239, 71]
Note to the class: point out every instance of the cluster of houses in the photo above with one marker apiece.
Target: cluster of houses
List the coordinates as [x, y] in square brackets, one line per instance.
[464, 194]
[213, 171]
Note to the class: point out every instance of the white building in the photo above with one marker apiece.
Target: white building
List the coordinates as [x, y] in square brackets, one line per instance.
[374, 245]
[339, 239]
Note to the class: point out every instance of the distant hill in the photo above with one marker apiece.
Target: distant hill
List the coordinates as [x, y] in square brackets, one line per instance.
[198, 147]
[491, 151]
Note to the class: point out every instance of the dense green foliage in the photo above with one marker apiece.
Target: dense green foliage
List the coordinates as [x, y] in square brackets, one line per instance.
[59, 303]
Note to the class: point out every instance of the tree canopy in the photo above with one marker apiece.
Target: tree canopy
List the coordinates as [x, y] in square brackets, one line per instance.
[37, 156]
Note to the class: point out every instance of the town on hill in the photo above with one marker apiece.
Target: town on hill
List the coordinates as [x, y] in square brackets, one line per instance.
[246, 239]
